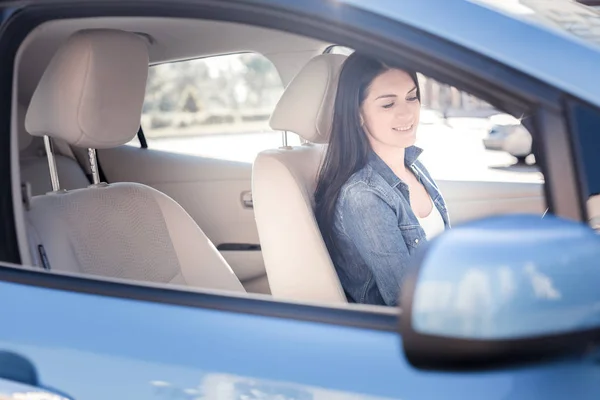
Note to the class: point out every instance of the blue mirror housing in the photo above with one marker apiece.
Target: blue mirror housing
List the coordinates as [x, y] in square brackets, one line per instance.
[503, 289]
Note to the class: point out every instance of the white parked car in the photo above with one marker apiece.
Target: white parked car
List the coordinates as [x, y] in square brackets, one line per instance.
[506, 133]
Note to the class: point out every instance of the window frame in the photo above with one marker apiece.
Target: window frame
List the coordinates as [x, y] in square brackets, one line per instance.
[583, 143]
[369, 33]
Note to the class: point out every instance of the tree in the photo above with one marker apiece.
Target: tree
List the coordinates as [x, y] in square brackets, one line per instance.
[166, 103]
[191, 102]
[259, 75]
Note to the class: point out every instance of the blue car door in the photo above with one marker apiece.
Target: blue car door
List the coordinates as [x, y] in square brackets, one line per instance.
[74, 337]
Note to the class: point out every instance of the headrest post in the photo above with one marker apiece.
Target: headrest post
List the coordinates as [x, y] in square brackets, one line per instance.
[51, 164]
[284, 139]
[94, 166]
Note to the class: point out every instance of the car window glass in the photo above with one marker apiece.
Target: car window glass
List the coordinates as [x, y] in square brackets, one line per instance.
[216, 107]
[465, 138]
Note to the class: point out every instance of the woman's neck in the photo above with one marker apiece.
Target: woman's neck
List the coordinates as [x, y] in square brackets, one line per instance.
[394, 158]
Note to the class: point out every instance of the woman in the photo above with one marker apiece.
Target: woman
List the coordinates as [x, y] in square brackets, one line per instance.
[375, 202]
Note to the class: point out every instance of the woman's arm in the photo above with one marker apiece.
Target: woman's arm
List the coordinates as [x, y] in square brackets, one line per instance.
[372, 225]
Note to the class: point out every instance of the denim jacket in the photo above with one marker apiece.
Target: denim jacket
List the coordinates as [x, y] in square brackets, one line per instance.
[376, 230]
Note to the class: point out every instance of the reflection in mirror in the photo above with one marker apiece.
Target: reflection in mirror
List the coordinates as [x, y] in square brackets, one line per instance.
[235, 387]
[510, 277]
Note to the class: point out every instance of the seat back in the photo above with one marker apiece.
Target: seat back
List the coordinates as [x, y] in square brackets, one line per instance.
[91, 96]
[33, 163]
[284, 180]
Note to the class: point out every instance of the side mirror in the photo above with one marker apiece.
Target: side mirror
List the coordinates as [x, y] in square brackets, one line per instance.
[509, 289]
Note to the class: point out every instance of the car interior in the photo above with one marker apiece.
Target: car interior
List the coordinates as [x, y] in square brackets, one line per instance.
[114, 209]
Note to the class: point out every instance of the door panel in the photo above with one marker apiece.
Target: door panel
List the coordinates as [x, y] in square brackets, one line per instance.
[212, 354]
[212, 191]
[251, 260]
[468, 200]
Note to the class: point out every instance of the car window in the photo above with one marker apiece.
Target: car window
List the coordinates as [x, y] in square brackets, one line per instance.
[466, 139]
[216, 107]
[219, 107]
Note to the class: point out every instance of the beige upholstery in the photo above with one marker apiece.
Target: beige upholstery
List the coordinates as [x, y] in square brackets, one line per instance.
[283, 183]
[34, 164]
[80, 98]
[129, 231]
[306, 106]
[35, 171]
[23, 137]
[121, 230]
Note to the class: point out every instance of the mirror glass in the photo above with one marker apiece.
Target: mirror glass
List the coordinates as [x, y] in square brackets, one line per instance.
[509, 277]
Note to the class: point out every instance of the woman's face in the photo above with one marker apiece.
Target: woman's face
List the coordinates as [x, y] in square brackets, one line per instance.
[390, 111]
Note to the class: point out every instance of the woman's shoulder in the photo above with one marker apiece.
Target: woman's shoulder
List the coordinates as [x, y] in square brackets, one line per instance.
[362, 186]
[358, 181]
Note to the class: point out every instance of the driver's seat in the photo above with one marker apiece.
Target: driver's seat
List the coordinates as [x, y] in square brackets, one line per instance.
[283, 184]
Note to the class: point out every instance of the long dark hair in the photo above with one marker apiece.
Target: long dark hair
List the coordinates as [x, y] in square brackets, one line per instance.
[349, 147]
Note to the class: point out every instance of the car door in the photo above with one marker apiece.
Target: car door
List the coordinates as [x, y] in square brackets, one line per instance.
[96, 338]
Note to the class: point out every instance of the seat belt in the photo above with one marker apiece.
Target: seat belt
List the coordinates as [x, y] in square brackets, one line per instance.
[81, 156]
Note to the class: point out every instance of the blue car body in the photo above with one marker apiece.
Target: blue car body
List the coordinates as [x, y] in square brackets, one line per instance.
[99, 339]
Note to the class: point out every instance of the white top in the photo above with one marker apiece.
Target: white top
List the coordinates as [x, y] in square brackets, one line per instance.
[433, 224]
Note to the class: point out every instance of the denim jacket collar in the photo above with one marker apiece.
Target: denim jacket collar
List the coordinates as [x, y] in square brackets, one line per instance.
[411, 154]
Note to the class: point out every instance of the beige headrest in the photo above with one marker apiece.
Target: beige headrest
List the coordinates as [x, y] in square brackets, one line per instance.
[24, 138]
[92, 92]
[306, 106]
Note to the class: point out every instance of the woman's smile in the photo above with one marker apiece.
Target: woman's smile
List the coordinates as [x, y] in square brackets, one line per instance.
[404, 128]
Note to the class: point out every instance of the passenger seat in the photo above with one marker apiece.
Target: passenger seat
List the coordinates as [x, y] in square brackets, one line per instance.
[34, 163]
[91, 96]
[284, 180]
